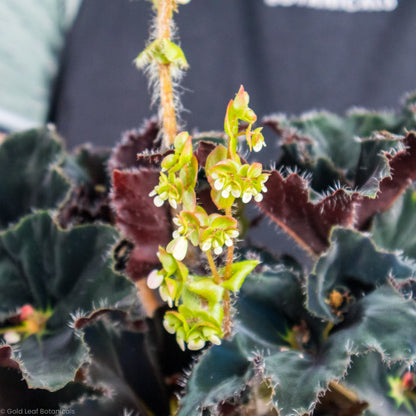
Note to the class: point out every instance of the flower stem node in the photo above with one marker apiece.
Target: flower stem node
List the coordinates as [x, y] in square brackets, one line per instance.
[162, 51]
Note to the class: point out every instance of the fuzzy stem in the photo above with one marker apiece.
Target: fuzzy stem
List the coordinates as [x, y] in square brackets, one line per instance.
[227, 322]
[167, 105]
[213, 267]
[327, 330]
[226, 300]
[230, 252]
[165, 9]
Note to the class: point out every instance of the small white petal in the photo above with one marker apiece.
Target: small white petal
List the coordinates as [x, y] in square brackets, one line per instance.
[236, 193]
[176, 221]
[258, 197]
[219, 184]
[218, 250]
[158, 201]
[246, 197]
[176, 234]
[181, 343]
[164, 195]
[169, 328]
[153, 193]
[228, 242]
[155, 279]
[170, 302]
[215, 340]
[173, 203]
[196, 345]
[258, 146]
[179, 248]
[11, 337]
[233, 233]
[206, 246]
[165, 295]
[225, 193]
[263, 189]
[214, 176]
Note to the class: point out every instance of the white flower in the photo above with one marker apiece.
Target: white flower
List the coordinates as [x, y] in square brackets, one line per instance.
[155, 279]
[11, 337]
[178, 248]
[207, 245]
[169, 328]
[226, 192]
[214, 339]
[196, 344]
[218, 250]
[165, 296]
[246, 197]
[172, 203]
[181, 343]
[258, 146]
[158, 201]
[219, 184]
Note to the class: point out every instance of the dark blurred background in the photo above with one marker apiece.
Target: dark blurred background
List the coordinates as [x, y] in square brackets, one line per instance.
[290, 59]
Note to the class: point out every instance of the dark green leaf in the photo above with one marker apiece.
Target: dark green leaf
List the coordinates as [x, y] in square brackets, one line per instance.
[67, 272]
[395, 229]
[88, 200]
[30, 176]
[16, 396]
[368, 378]
[352, 266]
[122, 365]
[269, 309]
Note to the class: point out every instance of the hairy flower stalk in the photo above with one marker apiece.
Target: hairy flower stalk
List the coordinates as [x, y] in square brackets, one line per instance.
[164, 21]
[164, 61]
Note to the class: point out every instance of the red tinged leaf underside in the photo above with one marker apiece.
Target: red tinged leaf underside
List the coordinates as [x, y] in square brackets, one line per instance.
[133, 142]
[402, 171]
[139, 220]
[287, 204]
[202, 152]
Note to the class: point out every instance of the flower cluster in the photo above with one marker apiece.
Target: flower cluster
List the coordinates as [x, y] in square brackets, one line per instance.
[199, 316]
[238, 109]
[200, 300]
[193, 327]
[233, 178]
[203, 230]
[177, 186]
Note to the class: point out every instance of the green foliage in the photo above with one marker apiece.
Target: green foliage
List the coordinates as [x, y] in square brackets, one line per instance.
[30, 174]
[331, 340]
[203, 302]
[352, 267]
[282, 342]
[395, 229]
[62, 272]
